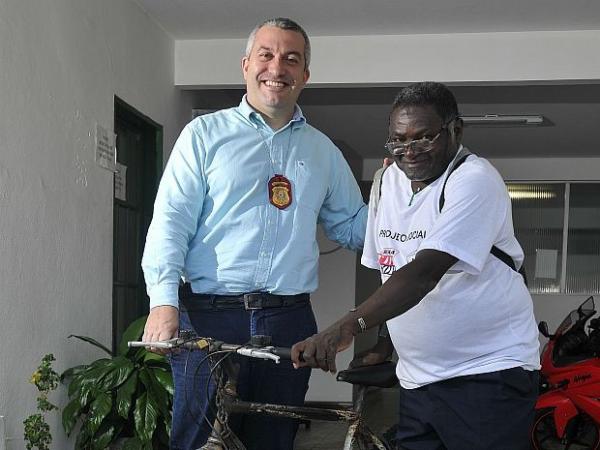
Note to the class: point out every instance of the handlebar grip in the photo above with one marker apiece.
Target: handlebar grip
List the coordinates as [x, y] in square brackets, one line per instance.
[285, 353]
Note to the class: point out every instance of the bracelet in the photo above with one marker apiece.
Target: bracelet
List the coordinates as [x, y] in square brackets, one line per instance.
[362, 324]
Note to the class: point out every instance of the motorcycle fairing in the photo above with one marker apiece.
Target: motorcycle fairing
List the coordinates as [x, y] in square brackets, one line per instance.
[564, 409]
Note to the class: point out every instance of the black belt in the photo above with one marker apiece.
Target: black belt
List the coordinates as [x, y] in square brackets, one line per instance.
[250, 301]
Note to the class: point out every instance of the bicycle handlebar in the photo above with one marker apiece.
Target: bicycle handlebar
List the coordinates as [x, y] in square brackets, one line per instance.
[211, 345]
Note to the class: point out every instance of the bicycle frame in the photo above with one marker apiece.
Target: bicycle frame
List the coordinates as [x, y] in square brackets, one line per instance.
[358, 437]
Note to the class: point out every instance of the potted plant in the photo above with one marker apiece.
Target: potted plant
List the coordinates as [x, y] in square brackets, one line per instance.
[125, 397]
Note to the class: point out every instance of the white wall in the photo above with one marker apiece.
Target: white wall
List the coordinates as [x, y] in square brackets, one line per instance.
[383, 60]
[61, 64]
[335, 296]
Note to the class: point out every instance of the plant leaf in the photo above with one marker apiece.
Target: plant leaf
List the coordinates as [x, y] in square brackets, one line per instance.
[149, 356]
[145, 416]
[99, 409]
[155, 391]
[83, 438]
[92, 341]
[133, 443]
[70, 415]
[165, 378]
[133, 333]
[90, 382]
[92, 374]
[121, 368]
[124, 394]
[86, 394]
[104, 436]
[72, 372]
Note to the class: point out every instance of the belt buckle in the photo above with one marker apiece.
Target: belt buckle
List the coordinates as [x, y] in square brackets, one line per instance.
[253, 301]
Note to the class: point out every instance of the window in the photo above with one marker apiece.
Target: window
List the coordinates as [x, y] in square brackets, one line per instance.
[558, 226]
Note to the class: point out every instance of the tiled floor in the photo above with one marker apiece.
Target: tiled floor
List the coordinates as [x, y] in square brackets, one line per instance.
[379, 414]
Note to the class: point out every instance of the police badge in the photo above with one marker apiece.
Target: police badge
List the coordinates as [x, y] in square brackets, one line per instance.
[280, 191]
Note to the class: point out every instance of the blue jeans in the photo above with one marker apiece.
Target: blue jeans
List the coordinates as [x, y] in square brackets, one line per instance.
[261, 381]
[491, 411]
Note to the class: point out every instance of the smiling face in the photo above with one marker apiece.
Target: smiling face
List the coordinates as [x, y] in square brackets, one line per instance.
[275, 71]
[415, 122]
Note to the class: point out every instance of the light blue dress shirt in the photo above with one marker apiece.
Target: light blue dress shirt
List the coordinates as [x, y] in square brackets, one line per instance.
[213, 223]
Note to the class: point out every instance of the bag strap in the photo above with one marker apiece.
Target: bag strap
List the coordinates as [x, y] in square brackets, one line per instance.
[460, 158]
[375, 194]
[500, 254]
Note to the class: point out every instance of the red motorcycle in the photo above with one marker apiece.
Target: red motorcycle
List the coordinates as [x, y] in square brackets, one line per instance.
[568, 409]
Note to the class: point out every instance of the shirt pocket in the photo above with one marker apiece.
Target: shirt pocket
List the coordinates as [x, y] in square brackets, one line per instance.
[311, 186]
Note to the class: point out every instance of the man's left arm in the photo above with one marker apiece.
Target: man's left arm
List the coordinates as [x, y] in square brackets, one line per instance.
[401, 292]
[343, 214]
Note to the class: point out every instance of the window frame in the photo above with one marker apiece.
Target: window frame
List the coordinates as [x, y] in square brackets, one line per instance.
[565, 231]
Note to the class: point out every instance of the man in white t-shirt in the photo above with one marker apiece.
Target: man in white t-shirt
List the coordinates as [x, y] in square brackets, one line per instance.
[458, 311]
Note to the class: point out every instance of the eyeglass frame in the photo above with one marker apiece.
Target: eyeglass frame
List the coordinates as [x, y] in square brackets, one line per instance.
[423, 141]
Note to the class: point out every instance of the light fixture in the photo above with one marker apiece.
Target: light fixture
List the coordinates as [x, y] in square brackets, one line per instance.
[517, 191]
[503, 119]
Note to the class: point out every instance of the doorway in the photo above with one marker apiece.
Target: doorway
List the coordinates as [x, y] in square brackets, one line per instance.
[139, 158]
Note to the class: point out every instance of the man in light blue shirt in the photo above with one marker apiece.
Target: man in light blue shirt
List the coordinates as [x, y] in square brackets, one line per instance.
[236, 213]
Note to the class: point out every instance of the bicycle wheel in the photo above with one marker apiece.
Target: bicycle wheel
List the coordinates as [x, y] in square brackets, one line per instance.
[582, 433]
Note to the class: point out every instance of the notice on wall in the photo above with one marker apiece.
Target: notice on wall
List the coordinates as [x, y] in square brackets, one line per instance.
[545, 263]
[121, 182]
[106, 152]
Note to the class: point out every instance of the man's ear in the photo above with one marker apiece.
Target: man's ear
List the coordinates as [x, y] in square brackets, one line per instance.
[245, 63]
[458, 130]
[306, 75]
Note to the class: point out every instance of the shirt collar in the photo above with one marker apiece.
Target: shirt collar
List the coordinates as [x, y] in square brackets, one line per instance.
[254, 117]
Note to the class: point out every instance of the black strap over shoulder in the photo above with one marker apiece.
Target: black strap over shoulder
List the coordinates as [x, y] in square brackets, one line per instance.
[458, 163]
[500, 254]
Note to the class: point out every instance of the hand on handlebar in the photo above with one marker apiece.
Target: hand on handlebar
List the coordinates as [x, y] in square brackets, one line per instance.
[162, 324]
[320, 349]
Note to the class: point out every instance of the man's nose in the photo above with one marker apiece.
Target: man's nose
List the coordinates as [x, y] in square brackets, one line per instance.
[276, 66]
[411, 148]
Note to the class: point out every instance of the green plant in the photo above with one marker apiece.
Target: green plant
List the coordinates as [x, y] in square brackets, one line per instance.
[128, 395]
[36, 429]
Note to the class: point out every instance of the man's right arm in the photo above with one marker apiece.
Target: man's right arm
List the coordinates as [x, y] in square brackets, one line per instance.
[174, 223]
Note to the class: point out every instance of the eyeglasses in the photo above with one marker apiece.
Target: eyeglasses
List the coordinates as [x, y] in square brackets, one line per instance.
[418, 146]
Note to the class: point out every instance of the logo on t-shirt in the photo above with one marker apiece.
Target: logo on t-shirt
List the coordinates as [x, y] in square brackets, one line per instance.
[403, 237]
[386, 261]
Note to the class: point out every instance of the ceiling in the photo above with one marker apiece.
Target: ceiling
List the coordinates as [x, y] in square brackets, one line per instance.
[356, 118]
[215, 19]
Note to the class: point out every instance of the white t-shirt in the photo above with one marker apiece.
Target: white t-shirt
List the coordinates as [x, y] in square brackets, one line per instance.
[479, 318]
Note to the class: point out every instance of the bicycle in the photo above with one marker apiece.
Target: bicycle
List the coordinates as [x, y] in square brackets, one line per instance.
[358, 437]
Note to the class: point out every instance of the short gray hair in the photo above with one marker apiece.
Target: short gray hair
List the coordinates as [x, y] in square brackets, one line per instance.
[284, 24]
